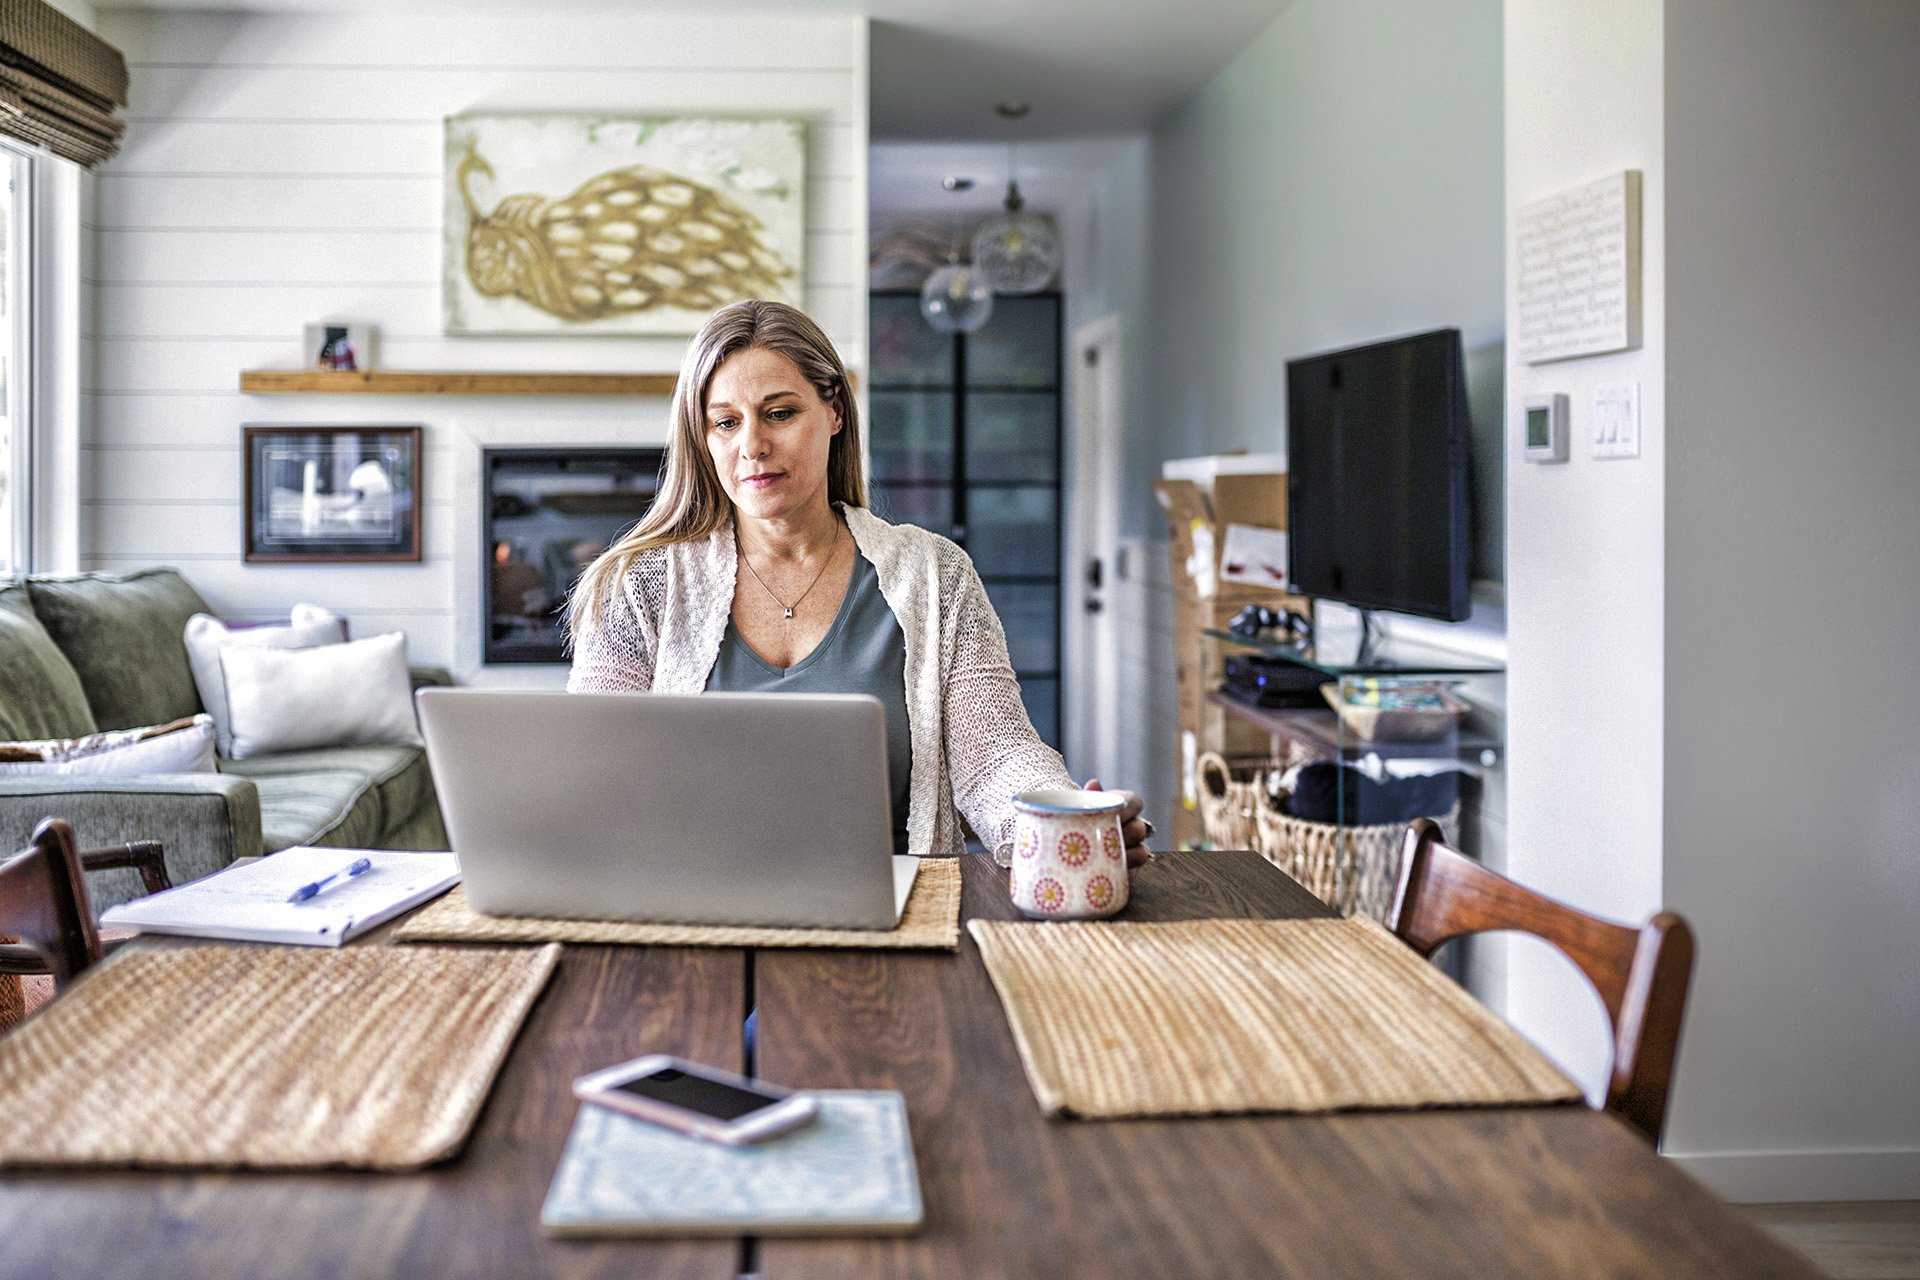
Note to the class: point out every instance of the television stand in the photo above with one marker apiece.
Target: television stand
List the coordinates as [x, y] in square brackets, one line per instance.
[1370, 652]
[1352, 863]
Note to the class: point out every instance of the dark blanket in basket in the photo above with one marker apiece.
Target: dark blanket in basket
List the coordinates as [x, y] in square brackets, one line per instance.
[1324, 791]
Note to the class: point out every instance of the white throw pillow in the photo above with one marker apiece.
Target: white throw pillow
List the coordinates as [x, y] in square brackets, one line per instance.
[335, 695]
[183, 746]
[206, 635]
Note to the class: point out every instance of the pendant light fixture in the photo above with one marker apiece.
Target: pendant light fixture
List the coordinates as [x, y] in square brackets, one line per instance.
[1016, 251]
[956, 298]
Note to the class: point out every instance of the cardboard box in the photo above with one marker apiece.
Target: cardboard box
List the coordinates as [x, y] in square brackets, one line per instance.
[1207, 468]
[1203, 499]
[1201, 523]
[1250, 499]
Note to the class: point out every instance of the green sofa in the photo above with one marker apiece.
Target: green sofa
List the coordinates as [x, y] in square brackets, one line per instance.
[97, 651]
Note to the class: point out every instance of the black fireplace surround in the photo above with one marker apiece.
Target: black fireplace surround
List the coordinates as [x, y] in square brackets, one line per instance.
[545, 514]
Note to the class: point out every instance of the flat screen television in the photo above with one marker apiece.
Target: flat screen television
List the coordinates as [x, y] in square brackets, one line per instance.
[1377, 476]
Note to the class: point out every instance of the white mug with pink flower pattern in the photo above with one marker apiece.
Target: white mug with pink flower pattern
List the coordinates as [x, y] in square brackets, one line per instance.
[1068, 862]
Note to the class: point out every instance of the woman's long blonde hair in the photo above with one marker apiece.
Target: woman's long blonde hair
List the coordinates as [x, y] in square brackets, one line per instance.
[692, 504]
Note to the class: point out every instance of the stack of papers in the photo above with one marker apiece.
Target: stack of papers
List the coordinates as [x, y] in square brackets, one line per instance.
[250, 903]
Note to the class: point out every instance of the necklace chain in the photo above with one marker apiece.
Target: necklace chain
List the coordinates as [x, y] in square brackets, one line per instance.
[810, 586]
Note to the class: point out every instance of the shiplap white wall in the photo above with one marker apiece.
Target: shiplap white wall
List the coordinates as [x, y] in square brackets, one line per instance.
[281, 169]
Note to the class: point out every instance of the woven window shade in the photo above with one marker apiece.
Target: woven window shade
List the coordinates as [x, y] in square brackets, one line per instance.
[59, 83]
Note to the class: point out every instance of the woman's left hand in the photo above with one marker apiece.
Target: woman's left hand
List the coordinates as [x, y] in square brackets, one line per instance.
[1134, 829]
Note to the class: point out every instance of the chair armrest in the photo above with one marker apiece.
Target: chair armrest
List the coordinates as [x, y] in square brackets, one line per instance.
[424, 676]
[203, 820]
[148, 857]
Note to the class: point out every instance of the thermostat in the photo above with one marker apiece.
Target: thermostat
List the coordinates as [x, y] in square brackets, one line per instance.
[1547, 428]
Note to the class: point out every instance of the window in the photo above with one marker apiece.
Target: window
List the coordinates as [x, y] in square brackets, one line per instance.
[16, 366]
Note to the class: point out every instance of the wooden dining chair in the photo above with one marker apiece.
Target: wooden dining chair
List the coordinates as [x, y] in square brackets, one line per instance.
[44, 904]
[1641, 974]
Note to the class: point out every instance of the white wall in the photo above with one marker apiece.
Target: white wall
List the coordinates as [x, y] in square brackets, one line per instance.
[80, 11]
[1792, 530]
[1585, 538]
[283, 169]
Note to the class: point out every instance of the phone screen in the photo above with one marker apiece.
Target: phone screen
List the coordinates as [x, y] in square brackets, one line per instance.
[695, 1093]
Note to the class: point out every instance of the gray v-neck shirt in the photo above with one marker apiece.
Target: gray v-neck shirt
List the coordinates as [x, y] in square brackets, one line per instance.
[864, 651]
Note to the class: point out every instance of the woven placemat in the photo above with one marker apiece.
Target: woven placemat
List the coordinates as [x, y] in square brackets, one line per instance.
[1209, 1016]
[223, 1057]
[931, 923]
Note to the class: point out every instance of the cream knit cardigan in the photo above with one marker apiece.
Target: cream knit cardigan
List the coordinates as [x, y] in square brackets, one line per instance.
[973, 745]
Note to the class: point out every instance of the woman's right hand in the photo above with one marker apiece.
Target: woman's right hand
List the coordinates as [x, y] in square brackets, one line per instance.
[1134, 829]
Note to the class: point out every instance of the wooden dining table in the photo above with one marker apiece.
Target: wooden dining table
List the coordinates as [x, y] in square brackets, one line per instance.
[1559, 1191]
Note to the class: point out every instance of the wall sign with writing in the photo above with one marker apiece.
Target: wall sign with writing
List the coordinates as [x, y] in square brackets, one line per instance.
[1578, 291]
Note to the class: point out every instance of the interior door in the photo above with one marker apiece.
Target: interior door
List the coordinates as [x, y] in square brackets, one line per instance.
[1094, 440]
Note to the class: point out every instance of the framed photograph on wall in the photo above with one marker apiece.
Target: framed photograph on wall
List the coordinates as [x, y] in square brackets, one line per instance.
[331, 495]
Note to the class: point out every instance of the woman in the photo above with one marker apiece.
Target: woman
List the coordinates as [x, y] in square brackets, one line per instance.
[759, 567]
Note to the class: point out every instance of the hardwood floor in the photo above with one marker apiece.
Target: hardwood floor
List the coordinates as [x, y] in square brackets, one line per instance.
[1866, 1241]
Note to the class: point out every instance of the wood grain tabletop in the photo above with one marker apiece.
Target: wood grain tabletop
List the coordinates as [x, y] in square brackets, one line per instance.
[474, 1217]
[1537, 1192]
[1521, 1192]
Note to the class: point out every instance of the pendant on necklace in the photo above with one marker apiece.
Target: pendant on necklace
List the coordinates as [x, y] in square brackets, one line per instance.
[789, 611]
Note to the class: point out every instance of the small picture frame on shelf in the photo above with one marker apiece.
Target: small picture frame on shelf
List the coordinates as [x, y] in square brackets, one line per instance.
[331, 494]
[339, 346]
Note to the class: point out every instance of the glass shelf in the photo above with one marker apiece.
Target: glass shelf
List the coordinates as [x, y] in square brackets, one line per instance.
[1321, 732]
[1340, 654]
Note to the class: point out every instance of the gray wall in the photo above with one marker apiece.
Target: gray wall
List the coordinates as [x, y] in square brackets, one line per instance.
[1339, 181]
[1792, 824]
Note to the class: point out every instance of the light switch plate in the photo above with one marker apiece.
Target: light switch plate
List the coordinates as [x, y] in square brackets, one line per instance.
[1616, 420]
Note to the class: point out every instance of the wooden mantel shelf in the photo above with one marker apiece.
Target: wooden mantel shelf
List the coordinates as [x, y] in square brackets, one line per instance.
[393, 382]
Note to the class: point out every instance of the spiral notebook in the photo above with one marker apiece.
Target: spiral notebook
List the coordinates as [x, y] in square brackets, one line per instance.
[850, 1172]
[248, 903]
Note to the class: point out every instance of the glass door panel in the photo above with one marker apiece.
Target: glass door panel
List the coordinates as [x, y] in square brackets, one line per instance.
[912, 436]
[1018, 347]
[964, 440]
[1031, 615]
[1014, 532]
[1042, 697]
[907, 351]
[1012, 436]
[929, 506]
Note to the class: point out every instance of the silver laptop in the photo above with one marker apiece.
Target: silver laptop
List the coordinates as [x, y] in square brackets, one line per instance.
[719, 808]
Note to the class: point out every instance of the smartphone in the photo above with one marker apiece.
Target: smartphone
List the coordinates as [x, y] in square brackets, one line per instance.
[702, 1101]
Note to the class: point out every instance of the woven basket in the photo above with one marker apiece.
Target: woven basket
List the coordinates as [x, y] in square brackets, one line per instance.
[1351, 869]
[1231, 796]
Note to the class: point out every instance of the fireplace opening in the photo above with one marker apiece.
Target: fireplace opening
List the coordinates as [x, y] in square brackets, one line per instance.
[545, 515]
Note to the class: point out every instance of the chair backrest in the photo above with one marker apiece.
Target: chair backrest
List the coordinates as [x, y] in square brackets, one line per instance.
[1641, 974]
[43, 902]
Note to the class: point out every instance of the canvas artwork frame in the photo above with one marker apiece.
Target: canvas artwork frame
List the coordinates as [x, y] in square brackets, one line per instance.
[331, 494]
[584, 225]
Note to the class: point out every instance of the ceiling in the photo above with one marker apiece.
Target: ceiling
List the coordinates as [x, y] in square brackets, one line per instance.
[938, 66]
[905, 179]
[1086, 66]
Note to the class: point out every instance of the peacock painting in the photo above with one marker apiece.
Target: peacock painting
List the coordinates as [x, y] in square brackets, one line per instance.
[570, 225]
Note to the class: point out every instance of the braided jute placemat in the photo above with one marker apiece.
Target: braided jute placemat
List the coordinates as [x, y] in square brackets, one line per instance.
[224, 1057]
[1211, 1016]
[931, 922]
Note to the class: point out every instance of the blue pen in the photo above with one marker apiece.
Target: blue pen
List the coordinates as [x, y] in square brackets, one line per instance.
[306, 891]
